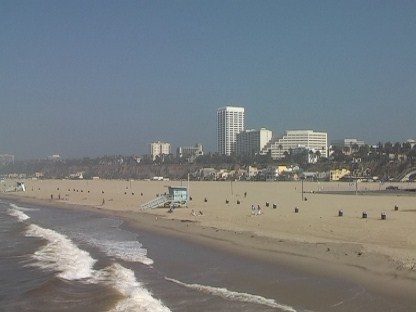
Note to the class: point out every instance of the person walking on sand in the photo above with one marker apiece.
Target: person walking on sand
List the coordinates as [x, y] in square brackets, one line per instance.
[253, 210]
[258, 210]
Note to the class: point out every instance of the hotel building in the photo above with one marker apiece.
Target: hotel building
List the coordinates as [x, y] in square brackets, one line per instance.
[298, 139]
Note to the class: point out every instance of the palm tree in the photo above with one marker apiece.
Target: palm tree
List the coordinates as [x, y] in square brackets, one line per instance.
[280, 149]
[397, 150]
[388, 149]
[406, 148]
[318, 155]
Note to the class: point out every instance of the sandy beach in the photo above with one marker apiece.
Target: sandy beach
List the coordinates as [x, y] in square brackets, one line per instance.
[381, 254]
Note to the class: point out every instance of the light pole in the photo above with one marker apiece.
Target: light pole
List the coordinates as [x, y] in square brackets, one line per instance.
[302, 186]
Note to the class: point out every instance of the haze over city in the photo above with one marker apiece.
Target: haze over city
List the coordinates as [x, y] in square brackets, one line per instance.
[106, 77]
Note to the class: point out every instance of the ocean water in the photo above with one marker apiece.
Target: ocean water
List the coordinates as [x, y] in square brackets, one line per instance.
[64, 260]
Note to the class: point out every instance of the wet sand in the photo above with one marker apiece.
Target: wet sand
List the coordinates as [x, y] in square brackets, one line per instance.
[380, 254]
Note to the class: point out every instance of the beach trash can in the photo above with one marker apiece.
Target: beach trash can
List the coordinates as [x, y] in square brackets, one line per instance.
[340, 213]
[238, 202]
[364, 215]
[296, 209]
[267, 204]
[274, 206]
[383, 216]
[396, 208]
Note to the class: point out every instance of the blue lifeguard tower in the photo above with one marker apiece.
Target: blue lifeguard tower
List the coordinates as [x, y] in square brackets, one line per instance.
[177, 196]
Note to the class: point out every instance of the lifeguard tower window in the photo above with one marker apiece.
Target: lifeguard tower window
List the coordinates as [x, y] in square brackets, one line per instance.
[178, 194]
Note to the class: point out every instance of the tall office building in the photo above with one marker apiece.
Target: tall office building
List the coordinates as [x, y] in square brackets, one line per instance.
[230, 121]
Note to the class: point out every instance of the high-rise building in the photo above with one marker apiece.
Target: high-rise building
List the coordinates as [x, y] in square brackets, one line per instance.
[230, 122]
[159, 148]
[251, 142]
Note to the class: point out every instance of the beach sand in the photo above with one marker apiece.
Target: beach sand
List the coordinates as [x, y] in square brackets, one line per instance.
[380, 254]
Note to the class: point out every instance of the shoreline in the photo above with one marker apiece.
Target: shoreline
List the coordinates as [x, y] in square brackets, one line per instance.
[354, 261]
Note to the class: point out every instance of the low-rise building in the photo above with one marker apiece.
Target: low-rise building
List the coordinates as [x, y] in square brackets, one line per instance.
[337, 174]
[190, 152]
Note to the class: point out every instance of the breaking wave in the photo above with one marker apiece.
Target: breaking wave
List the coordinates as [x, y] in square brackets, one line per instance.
[17, 212]
[61, 255]
[136, 297]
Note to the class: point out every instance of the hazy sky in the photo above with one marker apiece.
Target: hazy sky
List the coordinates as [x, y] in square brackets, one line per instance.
[92, 78]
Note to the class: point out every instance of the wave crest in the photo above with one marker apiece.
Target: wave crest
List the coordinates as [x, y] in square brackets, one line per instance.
[233, 296]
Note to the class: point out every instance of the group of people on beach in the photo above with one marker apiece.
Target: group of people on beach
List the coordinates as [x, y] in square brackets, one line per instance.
[256, 211]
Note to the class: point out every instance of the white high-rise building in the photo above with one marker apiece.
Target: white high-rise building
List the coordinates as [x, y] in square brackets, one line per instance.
[159, 148]
[251, 142]
[230, 121]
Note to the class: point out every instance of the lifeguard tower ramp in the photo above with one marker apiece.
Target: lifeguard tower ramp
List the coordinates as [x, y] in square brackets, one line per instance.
[178, 195]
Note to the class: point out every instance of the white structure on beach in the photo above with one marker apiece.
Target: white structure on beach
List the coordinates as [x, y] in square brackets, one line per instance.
[251, 142]
[159, 149]
[230, 122]
[317, 142]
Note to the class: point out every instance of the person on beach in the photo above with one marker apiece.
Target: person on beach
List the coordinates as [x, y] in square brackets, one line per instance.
[258, 210]
[253, 210]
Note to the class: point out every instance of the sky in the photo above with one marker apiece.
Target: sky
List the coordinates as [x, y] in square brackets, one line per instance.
[93, 78]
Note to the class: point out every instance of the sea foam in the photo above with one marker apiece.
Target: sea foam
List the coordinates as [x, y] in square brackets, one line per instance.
[61, 255]
[23, 208]
[131, 251]
[17, 213]
[137, 298]
[234, 296]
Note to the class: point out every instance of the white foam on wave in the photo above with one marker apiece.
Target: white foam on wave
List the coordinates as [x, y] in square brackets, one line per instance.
[131, 251]
[17, 213]
[233, 296]
[137, 298]
[23, 208]
[61, 255]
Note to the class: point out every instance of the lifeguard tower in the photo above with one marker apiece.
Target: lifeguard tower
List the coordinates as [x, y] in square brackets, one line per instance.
[177, 196]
